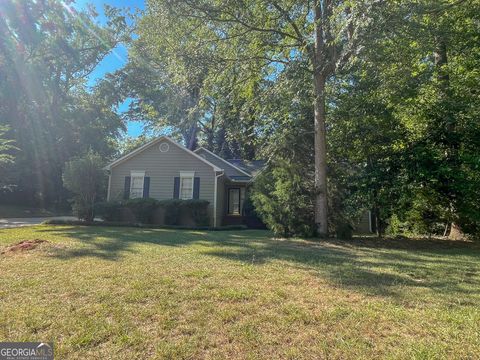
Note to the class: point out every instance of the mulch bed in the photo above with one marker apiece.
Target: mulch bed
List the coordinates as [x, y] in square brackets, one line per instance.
[24, 245]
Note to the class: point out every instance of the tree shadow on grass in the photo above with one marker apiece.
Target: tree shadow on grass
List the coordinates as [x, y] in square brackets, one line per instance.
[113, 243]
[385, 268]
[375, 272]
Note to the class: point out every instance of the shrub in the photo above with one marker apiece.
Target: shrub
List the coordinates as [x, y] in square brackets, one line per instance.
[84, 177]
[142, 208]
[197, 210]
[283, 199]
[252, 219]
[109, 210]
[172, 211]
[343, 231]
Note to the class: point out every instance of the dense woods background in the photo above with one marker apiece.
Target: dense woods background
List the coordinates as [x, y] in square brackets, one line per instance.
[394, 84]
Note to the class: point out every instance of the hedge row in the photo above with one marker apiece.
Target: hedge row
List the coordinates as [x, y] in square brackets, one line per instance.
[144, 210]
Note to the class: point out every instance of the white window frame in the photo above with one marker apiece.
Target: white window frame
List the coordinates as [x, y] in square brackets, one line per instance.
[136, 174]
[186, 175]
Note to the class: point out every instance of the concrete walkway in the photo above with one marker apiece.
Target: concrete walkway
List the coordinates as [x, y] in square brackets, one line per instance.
[17, 222]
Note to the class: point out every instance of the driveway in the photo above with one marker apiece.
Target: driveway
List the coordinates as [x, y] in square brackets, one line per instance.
[17, 222]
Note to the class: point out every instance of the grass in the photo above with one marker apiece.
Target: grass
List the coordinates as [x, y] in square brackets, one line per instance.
[129, 293]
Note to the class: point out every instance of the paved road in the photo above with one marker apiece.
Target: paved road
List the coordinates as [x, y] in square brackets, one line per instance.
[17, 222]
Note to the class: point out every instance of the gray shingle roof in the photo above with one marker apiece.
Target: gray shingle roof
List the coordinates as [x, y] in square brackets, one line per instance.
[250, 166]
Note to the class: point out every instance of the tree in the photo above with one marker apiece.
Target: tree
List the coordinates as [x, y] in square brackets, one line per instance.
[6, 156]
[388, 88]
[85, 177]
[431, 92]
[129, 143]
[264, 37]
[47, 52]
[178, 88]
[405, 127]
[283, 194]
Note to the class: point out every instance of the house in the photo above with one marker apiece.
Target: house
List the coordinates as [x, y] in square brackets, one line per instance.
[164, 169]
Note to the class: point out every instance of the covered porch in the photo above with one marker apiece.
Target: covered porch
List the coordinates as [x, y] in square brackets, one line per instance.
[234, 198]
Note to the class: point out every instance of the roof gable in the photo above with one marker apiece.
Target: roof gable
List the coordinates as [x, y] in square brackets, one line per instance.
[214, 157]
[154, 142]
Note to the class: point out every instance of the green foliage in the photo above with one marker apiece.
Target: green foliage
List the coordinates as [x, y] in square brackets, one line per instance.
[404, 133]
[402, 115]
[48, 50]
[144, 208]
[426, 214]
[128, 144]
[85, 178]
[109, 210]
[283, 194]
[172, 211]
[7, 149]
[197, 210]
[6, 146]
[284, 200]
[343, 231]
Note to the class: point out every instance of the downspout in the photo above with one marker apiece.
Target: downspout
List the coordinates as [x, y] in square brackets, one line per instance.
[215, 198]
[109, 183]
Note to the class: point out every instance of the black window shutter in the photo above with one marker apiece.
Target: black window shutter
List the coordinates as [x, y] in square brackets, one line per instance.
[176, 188]
[126, 191]
[146, 186]
[196, 188]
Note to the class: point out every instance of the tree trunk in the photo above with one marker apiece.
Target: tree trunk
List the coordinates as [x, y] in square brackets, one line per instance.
[192, 137]
[448, 123]
[441, 61]
[379, 225]
[320, 151]
[321, 206]
[193, 118]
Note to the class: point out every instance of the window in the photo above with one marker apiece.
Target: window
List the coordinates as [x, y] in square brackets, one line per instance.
[136, 184]
[164, 147]
[186, 184]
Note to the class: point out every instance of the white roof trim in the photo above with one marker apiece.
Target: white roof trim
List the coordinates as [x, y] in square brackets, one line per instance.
[225, 161]
[153, 142]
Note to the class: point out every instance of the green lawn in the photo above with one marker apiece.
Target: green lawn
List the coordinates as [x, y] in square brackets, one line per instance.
[125, 293]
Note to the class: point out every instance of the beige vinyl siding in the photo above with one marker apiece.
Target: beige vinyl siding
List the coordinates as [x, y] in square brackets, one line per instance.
[162, 168]
[220, 199]
[229, 169]
[363, 225]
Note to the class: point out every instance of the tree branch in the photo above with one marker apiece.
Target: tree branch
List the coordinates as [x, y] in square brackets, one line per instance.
[232, 18]
[292, 23]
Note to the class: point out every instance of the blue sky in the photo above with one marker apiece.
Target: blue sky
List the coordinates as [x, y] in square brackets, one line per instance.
[115, 61]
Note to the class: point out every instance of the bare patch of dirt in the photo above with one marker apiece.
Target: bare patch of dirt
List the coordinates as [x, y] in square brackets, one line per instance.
[24, 245]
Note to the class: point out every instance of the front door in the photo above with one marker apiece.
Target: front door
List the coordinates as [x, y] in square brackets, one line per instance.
[234, 201]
